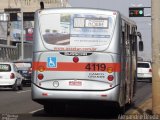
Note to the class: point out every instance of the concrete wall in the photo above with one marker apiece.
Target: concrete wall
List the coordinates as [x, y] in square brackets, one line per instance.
[30, 5]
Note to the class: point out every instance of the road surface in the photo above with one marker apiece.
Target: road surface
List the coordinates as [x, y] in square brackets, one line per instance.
[18, 105]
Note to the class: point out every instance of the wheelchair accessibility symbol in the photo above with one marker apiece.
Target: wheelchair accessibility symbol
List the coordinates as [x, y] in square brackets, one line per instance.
[52, 62]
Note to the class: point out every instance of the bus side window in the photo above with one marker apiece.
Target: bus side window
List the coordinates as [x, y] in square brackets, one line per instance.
[132, 38]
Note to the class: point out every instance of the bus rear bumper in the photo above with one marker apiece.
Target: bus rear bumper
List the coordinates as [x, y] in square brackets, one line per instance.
[41, 95]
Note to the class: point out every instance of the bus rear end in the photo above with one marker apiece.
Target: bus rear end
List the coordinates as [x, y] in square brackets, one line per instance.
[76, 56]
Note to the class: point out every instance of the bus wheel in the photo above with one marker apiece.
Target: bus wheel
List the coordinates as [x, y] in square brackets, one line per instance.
[122, 110]
[48, 109]
[119, 110]
[15, 87]
[134, 86]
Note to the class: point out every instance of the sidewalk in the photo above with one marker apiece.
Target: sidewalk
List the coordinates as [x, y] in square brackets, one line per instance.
[144, 108]
[141, 112]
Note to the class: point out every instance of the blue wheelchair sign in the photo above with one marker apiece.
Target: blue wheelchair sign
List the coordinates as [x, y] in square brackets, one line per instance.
[52, 62]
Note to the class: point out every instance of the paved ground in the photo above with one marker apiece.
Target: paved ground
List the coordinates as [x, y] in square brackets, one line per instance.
[143, 108]
[141, 112]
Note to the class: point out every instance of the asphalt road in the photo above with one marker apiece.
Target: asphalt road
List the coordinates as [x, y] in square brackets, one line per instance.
[18, 105]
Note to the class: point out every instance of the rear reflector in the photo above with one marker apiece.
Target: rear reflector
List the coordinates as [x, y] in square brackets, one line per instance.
[30, 70]
[103, 95]
[110, 77]
[75, 59]
[40, 76]
[45, 94]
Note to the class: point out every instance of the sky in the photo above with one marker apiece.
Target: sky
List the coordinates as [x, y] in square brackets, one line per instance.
[143, 23]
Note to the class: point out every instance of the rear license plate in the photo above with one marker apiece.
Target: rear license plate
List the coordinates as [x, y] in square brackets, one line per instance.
[141, 75]
[75, 83]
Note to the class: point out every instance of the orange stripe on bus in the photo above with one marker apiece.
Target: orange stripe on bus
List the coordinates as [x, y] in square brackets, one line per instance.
[70, 66]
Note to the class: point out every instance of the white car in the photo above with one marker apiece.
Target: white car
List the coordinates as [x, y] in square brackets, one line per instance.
[9, 76]
[144, 71]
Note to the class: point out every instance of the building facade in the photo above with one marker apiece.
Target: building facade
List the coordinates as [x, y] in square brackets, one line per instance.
[11, 28]
[11, 31]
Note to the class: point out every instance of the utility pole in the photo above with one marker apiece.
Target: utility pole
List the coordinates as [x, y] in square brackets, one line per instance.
[22, 41]
[8, 27]
[155, 6]
[8, 32]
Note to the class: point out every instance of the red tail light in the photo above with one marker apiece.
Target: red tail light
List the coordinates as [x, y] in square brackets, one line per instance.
[150, 70]
[40, 76]
[110, 77]
[75, 59]
[12, 76]
[30, 70]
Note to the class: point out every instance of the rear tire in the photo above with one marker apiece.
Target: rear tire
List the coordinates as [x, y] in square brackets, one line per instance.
[121, 110]
[20, 87]
[15, 87]
[48, 109]
[117, 109]
[134, 87]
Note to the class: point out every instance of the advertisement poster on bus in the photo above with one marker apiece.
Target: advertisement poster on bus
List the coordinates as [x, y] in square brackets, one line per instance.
[76, 29]
[89, 29]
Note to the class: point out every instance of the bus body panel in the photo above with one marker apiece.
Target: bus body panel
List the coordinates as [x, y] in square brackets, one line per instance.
[89, 73]
[40, 95]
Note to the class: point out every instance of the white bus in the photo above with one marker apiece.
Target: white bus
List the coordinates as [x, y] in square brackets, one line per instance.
[82, 54]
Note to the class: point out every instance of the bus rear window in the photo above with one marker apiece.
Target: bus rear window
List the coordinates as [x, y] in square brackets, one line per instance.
[76, 29]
